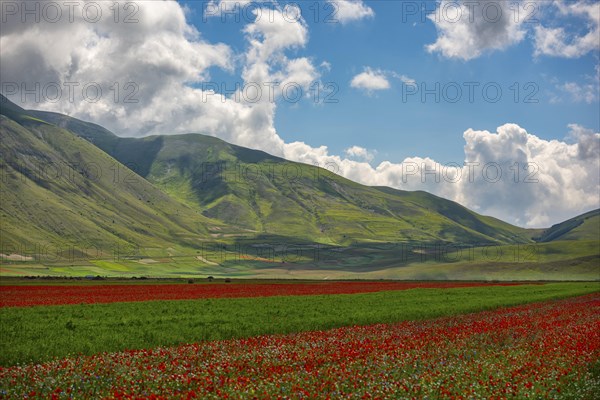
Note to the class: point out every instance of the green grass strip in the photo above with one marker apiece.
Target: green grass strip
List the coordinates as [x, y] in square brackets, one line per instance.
[38, 334]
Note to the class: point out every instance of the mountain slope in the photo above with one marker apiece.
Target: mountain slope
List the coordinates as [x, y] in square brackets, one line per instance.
[271, 196]
[582, 227]
[193, 205]
[61, 192]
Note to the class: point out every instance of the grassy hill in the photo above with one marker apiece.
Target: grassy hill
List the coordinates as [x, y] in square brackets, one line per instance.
[581, 227]
[259, 192]
[61, 194]
[268, 195]
[194, 205]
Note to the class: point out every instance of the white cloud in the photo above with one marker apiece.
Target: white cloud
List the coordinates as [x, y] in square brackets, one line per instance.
[408, 81]
[588, 143]
[326, 66]
[565, 181]
[510, 174]
[276, 33]
[587, 92]
[159, 55]
[170, 60]
[343, 11]
[360, 153]
[466, 32]
[350, 10]
[370, 80]
[557, 42]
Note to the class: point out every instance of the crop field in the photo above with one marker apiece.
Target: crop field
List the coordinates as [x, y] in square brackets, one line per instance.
[542, 350]
[278, 259]
[361, 217]
[19, 296]
[302, 340]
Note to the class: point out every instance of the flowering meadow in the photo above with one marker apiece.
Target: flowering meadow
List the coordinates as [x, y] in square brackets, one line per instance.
[33, 295]
[540, 350]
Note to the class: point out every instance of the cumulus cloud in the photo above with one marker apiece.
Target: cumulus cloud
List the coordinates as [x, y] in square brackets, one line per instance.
[350, 10]
[510, 174]
[370, 80]
[557, 42]
[360, 153]
[468, 29]
[141, 67]
[155, 74]
[170, 61]
[548, 180]
[588, 143]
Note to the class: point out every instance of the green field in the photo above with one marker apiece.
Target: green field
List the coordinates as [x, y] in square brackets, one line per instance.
[553, 261]
[37, 334]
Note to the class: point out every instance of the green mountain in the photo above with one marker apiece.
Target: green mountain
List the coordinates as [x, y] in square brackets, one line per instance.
[267, 195]
[582, 227]
[62, 194]
[194, 205]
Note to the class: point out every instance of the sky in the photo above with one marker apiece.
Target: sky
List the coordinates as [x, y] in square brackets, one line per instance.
[493, 104]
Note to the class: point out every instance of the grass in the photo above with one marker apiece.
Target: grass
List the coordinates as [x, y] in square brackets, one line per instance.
[533, 252]
[581, 227]
[60, 192]
[585, 269]
[249, 189]
[38, 334]
[195, 191]
[277, 257]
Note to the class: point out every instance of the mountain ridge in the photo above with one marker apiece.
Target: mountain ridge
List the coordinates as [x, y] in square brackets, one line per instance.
[240, 200]
[579, 227]
[59, 190]
[211, 174]
[189, 204]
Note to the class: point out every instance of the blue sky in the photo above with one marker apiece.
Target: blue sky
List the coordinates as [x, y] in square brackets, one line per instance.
[394, 40]
[379, 57]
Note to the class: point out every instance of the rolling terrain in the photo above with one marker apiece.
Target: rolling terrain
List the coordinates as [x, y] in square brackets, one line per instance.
[61, 194]
[581, 227]
[77, 199]
[268, 195]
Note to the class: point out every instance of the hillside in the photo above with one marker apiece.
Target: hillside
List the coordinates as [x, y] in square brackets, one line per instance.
[582, 227]
[194, 205]
[61, 194]
[267, 195]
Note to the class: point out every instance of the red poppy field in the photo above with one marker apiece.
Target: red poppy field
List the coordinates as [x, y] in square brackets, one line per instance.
[328, 340]
[540, 350]
[22, 296]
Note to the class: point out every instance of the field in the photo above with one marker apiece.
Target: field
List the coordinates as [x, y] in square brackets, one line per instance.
[312, 233]
[21, 295]
[277, 258]
[538, 351]
[446, 342]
